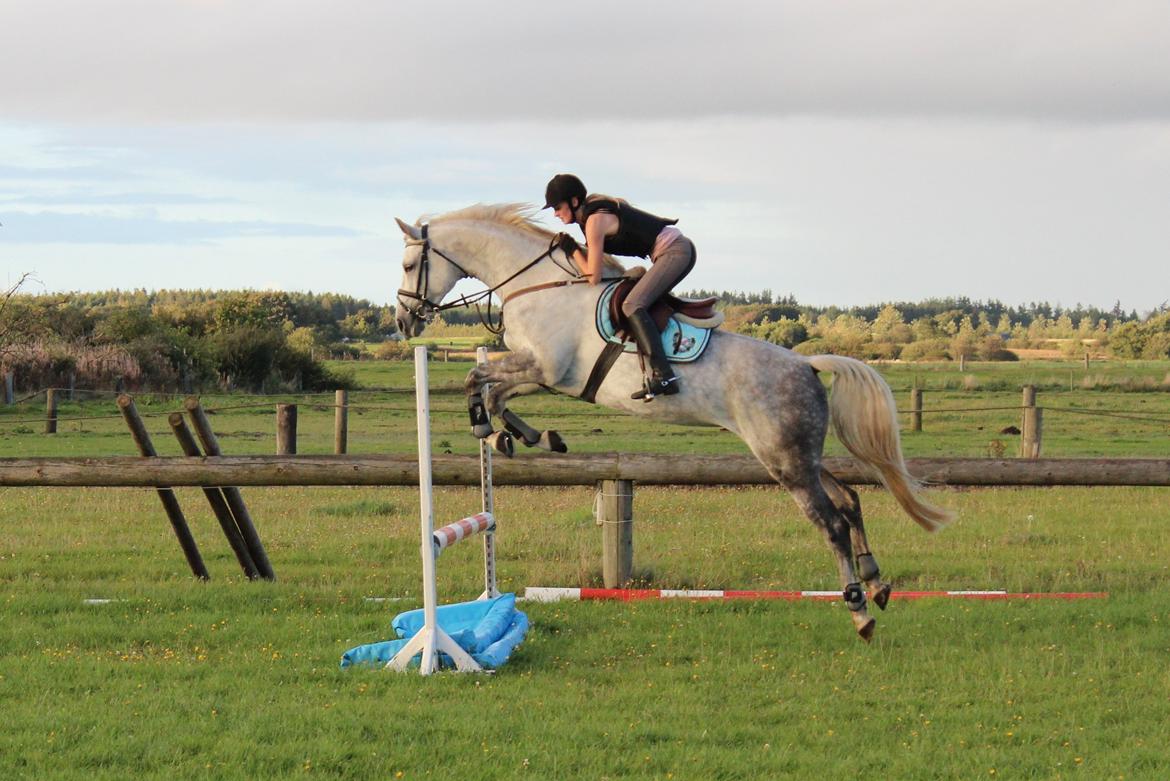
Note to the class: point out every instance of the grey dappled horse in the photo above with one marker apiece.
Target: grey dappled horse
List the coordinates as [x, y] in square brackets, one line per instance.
[769, 396]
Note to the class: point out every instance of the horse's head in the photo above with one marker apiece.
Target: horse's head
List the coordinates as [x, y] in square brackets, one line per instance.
[426, 278]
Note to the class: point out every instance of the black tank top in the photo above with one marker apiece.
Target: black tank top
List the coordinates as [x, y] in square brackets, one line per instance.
[637, 230]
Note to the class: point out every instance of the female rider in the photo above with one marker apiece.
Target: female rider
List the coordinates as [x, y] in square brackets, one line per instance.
[612, 225]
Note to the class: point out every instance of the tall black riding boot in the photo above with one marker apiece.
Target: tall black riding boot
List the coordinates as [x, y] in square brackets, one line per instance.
[661, 380]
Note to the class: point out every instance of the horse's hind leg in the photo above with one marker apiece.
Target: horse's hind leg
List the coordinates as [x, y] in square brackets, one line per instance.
[825, 515]
[848, 503]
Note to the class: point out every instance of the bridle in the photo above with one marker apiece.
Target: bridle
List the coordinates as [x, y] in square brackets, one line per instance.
[426, 309]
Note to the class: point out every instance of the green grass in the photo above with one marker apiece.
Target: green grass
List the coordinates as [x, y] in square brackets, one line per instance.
[231, 679]
[1078, 422]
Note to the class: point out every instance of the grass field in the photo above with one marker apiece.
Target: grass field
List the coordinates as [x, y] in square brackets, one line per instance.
[231, 679]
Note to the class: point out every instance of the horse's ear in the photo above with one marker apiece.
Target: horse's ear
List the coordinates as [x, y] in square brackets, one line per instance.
[410, 230]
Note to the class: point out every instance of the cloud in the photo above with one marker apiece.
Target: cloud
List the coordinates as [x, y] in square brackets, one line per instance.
[75, 197]
[366, 60]
[70, 228]
[834, 210]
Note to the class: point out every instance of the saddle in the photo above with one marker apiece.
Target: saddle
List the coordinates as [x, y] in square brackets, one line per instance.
[699, 312]
[685, 324]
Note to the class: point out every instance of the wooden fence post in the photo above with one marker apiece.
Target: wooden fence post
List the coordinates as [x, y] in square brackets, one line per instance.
[340, 422]
[1033, 429]
[232, 494]
[51, 411]
[615, 515]
[170, 502]
[1028, 400]
[9, 388]
[286, 429]
[916, 409]
[1030, 426]
[962, 362]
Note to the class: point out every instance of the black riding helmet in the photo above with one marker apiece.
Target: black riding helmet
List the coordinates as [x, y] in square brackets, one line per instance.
[563, 188]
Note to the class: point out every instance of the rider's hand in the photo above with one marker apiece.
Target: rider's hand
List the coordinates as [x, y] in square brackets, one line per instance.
[567, 244]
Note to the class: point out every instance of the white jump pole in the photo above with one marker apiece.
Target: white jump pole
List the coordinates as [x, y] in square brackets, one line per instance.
[490, 590]
[431, 639]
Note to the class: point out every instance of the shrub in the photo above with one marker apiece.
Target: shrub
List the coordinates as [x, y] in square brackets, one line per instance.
[784, 332]
[1128, 340]
[813, 347]
[297, 371]
[991, 348]
[926, 350]
[246, 355]
[883, 351]
[1157, 346]
[394, 350]
[45, 365]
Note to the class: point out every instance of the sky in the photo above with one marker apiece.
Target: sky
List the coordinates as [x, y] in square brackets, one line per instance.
[842, 152]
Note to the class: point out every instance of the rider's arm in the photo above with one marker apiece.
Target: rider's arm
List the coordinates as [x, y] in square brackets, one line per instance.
[597, 227]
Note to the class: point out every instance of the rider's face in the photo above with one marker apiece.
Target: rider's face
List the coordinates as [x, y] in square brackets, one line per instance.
[564, 212]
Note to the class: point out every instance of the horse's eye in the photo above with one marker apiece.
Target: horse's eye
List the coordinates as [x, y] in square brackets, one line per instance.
[409, 266]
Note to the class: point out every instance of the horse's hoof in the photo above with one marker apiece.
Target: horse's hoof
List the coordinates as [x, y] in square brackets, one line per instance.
[501, 442]
[551, 441]
[866, 629]
[881, 597]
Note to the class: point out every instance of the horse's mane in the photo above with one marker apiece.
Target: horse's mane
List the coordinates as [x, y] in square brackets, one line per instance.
[521, 216]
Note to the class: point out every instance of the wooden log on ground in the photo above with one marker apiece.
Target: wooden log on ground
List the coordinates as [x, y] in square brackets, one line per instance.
[231, 493]
[219, 506]
[170, 502]
[551, 469]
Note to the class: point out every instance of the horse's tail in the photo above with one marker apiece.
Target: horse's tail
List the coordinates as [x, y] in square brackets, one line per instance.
[865, 419]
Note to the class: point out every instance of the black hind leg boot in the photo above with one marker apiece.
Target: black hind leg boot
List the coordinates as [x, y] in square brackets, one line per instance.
[661, 380]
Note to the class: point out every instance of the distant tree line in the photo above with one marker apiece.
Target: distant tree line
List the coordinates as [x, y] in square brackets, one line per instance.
[787, 306]
[268, 340]
[945, 328]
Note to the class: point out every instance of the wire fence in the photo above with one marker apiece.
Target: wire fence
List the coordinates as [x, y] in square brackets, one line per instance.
[326, 401]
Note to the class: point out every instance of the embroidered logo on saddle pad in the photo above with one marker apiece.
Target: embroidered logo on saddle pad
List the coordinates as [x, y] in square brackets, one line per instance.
[683, 342]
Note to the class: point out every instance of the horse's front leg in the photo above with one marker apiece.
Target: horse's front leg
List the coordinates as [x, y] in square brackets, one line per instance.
[489, 386]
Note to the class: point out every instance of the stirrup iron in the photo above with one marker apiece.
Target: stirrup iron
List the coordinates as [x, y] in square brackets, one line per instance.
[653, 388]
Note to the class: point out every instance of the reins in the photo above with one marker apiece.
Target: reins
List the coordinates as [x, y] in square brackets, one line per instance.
[427, 309]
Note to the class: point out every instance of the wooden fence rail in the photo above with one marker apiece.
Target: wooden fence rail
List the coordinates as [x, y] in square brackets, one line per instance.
[613, 475]
[566, 469]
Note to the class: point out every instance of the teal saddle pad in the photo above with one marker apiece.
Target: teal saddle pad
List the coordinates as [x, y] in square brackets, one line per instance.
[683, 342]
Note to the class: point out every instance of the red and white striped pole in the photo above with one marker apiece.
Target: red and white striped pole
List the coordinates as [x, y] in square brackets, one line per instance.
[545, 594]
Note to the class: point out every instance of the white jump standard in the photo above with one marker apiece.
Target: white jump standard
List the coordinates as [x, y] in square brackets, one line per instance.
[431, 640]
